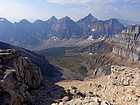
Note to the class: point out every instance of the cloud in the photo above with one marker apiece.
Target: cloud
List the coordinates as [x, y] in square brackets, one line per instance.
[80, 1]
[75, 9]
[90, 1]
[68, 1]
[103, 9]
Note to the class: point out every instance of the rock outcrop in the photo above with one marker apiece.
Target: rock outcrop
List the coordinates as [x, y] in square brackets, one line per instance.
[76, 97]
[47, 70]
[105, 70]
[17, 76]
[123, 86]
[119, 88]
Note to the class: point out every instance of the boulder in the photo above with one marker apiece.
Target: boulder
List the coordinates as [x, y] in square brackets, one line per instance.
[105, 70]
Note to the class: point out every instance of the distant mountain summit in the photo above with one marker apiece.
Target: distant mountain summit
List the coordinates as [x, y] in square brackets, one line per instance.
[24, 33]
[88, 19]
[52, 19]
[65, 28]
[98, 28]
[6, 28]
[28, 34]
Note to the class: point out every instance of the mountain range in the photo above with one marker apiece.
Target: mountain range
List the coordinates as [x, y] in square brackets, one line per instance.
[26, 34]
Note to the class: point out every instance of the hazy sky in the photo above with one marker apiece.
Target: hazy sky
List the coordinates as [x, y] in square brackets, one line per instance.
[15, 10]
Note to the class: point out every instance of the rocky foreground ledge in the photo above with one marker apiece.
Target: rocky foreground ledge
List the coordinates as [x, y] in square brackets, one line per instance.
[122, 87]
[17, 76]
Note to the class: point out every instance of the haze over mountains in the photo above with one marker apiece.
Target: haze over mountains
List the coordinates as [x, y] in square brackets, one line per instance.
[27, 34]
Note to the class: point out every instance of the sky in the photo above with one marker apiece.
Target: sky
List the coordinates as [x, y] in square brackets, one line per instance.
[15, 10]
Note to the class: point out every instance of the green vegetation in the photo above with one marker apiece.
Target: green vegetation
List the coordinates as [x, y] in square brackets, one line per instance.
[59, 57]
[54, 53]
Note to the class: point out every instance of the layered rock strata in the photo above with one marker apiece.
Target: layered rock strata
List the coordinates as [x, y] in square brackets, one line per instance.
[127, 43]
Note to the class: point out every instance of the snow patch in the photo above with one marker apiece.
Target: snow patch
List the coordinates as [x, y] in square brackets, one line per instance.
[90, 54]
[55, 38]
[102, 38]
[90, 38]
[93, 29]
[2, 19]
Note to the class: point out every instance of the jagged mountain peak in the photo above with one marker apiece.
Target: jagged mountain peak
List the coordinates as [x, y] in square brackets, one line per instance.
[89, 18]
[65, 18]
[89, 14]
[53, 17]
[114, 20]
[24, 21]
[3, 19]
[52, 20]
[38, 21]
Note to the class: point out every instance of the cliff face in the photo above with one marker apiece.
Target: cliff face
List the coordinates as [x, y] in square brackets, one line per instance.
[17, 76]
[127, 43]
[126, 52]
